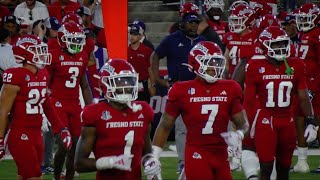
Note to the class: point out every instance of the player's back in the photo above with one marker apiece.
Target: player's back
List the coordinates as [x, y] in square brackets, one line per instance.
[27, 108]
[118, 132]
[274, 87]
[219, 27]
[239, 47]
[307, 50]
[66, 71]
[205, 108]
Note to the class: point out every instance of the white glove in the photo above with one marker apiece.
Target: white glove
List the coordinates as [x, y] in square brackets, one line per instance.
[121, 162]
[311, 133]
[232, 138]
[152, 167]
[45, 124]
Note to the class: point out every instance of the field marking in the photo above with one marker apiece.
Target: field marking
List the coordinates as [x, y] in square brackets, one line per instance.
[311, 152]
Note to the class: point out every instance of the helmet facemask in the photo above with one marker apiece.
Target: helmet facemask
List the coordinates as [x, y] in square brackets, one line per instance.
[122, 88]
[278, 49]
[41, 56]
[215, 64]
[237, 24]
[74, 42]
[305, 22]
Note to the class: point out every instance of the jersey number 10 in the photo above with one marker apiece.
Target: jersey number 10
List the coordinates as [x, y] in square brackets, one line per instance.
[283, 95]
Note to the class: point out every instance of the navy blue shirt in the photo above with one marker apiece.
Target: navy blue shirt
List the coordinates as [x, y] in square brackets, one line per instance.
[176, 48]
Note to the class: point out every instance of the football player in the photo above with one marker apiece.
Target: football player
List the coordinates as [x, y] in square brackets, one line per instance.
[24, 96]
[275, 77]
[240, 39]
[206, 104]
[214, 10]
[307, 19]
[117, 129]
[67, 75]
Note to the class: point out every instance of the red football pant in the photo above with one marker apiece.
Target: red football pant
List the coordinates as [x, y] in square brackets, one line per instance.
[206, 164]
[275, 137]
[26, 148]
[69, 113]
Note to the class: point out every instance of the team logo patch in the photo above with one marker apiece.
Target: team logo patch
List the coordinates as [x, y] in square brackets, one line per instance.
[80, 59]
[229, 37]
[61, 57]
[262, 70]
[58, 104]
[24, 137]
[27, 78]
[106, 115]
[191, 91]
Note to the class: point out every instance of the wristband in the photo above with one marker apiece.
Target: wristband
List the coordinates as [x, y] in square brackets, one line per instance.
[156, 150]
[241, 134]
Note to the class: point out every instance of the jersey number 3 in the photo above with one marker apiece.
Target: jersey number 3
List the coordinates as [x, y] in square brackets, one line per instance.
[74, 71]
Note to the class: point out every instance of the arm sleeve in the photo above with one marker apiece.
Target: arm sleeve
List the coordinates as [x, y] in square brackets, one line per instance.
[87, 117]
[163, 49]
[301, 75]
[149, 112]
[237, 99]
[173, 104]
[250, 91]
[52, 116]
[13, 77]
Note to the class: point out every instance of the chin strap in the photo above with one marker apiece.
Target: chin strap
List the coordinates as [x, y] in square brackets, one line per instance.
[289, 70]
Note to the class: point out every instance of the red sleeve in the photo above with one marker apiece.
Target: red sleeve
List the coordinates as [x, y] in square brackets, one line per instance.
[148, 111]
[236, 99]
[89, 45]
[224, 38]
[12, 76]
[301, 75]
[52, 116]
[87, 116]
[173, 104]
[94, 83]
[250, 91]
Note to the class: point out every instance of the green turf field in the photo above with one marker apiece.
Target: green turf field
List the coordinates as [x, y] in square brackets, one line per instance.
[8, 170]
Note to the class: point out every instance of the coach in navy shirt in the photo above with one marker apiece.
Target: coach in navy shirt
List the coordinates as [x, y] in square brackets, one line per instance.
[176, 47]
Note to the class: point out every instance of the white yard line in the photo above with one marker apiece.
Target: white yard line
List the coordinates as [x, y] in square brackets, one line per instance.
[174, 154]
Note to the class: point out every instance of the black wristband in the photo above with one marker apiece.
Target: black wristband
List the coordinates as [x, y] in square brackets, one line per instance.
[311, 120]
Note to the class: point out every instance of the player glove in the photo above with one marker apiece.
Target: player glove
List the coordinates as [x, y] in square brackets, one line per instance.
[311, 94]
[2, 149]
[66, 138]
[45, 124]
[232, 138]
[311, 131]
[152, 167]
[121, 162]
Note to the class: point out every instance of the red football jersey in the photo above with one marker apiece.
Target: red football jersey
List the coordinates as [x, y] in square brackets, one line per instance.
[89, 46]
[205, 108]
[273, 86]
[27, 108]
[309, 51]
[118, 132]
[239, 47]
[66, 71]
[220, 28]
[140, 60]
